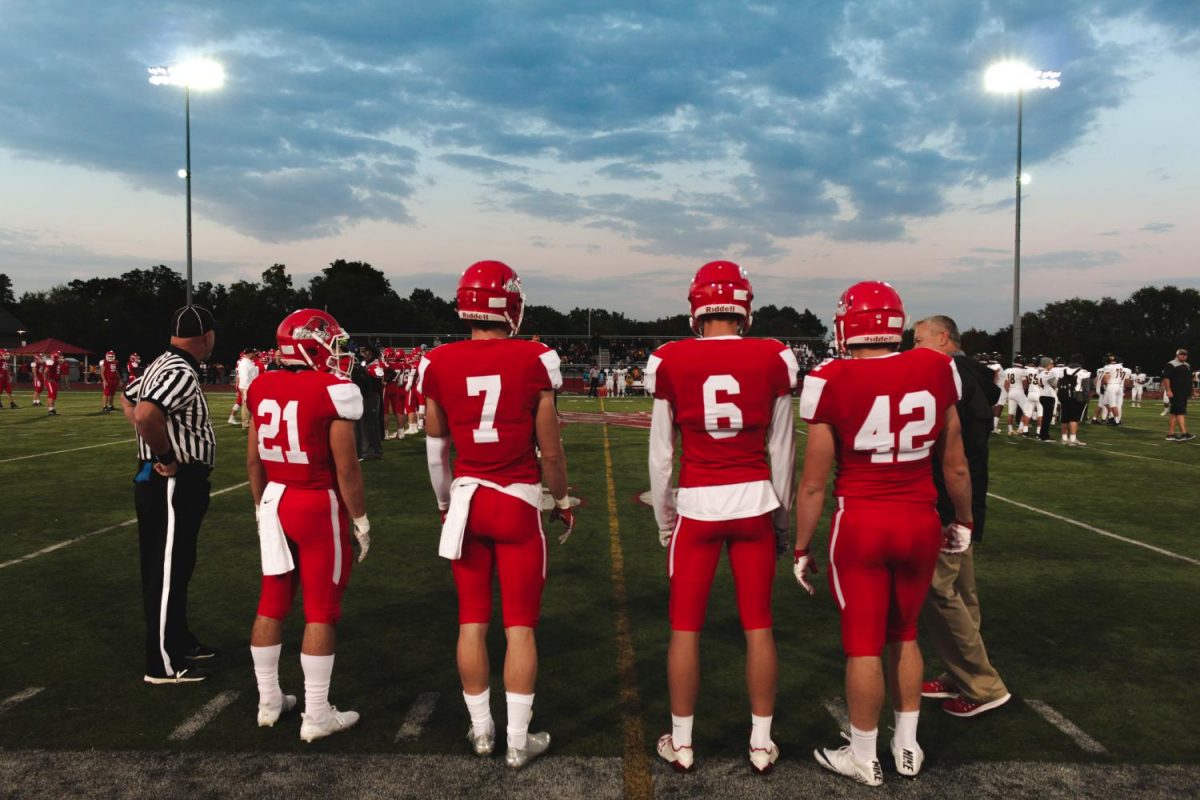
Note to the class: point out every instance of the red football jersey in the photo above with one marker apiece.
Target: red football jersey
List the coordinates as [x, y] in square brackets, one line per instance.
[489, 390]
[886, 413]
[38, 367]
[54, 370]
[293, 410]
[110, 372]
[722, 391]
[133, 369]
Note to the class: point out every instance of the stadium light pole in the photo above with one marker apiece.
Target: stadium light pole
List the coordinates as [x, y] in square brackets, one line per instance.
[195, 74]
[1007, 77]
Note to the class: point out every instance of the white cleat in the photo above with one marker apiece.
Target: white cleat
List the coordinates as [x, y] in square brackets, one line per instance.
[233, 420]
[336, 722]
[908, 759]
[681, 759]
[535, 745]
[268, 715]
[843, 762]
[762, 759]
[484, 743]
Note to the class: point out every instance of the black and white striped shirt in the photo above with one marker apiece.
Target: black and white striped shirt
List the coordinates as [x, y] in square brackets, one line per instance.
[171, 382]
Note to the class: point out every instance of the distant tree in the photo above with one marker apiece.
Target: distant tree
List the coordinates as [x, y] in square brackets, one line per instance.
[359, 295]
[6, 290]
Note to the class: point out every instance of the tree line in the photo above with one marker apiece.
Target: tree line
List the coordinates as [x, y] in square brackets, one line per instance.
[132, 312]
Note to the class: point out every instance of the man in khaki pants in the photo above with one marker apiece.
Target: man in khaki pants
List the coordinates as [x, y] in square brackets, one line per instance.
[970, 684]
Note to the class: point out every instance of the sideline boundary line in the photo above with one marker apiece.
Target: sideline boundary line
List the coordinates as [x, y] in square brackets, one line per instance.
[126, 523]
[1094, 529]
[635, 767]
[1065, 725]
[71, 450]
[207, 713]
[418, 714]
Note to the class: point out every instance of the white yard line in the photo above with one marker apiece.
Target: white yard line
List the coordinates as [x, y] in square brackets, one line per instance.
[418, 714]
[72, 450]
[19, 697]
[126, 523]
[205, 715]
[836, 707]
[1065, 725]
[1093, 529]
[1108, 449]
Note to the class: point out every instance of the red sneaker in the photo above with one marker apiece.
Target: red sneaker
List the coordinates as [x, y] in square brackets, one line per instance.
[961, 707]
[938, 689]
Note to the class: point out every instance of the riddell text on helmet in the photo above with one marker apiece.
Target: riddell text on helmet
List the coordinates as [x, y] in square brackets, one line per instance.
[714, 309]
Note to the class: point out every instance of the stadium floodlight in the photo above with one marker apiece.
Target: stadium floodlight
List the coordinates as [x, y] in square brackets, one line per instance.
[199, 73]
[1008, 77]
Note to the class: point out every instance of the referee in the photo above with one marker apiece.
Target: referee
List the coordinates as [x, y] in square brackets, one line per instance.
[176, 450]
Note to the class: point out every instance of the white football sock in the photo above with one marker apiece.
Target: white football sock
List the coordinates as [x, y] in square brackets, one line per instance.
[479, 706]
[266, 673]
[1073, 439]
[906, 728]
[681, 730]
[862, 743]
[318, 672]
[520, 709]
[760, 732]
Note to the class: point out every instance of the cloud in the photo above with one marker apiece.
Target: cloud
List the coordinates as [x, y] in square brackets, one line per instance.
[847, 120]
[1159, 227]
[1054, 259]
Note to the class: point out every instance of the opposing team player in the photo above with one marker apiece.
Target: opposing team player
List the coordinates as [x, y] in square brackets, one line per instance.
[56, 369]
[37, 372]
[1112, 385]
[308, 492]
[110, 380]
[1016, 381]
[993, 363]
[6, 377]
[492, 398]
[1033, 397]
[247, 371]
[1138, 379]
[879, 414]
[730, 401]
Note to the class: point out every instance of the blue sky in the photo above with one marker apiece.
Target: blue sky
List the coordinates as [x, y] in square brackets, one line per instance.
[607, 149]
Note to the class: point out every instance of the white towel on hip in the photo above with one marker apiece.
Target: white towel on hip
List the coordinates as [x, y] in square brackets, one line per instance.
[461, 492]
[276, 555]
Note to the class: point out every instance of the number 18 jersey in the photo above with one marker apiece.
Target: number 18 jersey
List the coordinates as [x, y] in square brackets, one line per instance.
[489, 390]
[293, 410]
[886, 414]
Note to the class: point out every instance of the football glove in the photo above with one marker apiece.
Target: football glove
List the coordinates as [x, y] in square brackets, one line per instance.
[804, 567]
[362, 534]
[566, 516]
[664, 536]
[956, 537]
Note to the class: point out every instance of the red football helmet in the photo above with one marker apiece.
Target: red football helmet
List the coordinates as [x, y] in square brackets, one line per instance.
[312, 338]
[490, 291]
[57, 355]
[721, 287]
[870, 312]
[135, 358]
[110, 356]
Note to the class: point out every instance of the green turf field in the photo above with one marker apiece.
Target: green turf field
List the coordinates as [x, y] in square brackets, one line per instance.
[1101, 630]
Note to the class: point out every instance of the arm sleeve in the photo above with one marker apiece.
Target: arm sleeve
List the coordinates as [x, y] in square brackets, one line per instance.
[437, 455]
[662, 463]
[781, 446]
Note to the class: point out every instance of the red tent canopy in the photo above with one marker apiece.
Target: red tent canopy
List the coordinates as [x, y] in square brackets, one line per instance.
[50, 346]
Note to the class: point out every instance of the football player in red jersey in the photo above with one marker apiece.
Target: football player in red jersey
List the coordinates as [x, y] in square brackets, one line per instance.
[308, 492]
[133, 368]
[492, 397]
[55, 369]
[730, 400]
[393, 405]
[879, 414]
[6, 377]
[110, 379]
[37, 372]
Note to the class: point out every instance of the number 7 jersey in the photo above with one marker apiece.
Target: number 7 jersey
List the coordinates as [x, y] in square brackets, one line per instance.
[886, 414]
[489, 390]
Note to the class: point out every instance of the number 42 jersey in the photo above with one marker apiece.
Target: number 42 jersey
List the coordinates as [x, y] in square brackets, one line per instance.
[489, 390]
[886, 413]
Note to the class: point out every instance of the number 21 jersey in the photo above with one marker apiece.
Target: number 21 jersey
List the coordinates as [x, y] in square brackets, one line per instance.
[886, 413]
[489, 390]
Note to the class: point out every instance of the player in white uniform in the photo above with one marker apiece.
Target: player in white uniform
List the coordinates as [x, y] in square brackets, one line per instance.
[1112, 380]
[1033, 397]
[1016, 379]
[620, 375]
[610, 382]
[993, 363]
[1139, 386]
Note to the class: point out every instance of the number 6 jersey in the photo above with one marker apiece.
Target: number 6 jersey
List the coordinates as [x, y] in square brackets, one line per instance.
[489, 390]
[886, 413]
[293, 410]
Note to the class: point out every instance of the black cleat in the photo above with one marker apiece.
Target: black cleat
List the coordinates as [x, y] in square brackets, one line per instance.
[201, 652]
[189, 675]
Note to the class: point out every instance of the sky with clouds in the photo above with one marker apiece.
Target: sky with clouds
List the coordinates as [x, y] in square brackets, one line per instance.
[607, 149]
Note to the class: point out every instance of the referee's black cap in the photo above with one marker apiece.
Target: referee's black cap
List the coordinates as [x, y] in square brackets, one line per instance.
[191, 321]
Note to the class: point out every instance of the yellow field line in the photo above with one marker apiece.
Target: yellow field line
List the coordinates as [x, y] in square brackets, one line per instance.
[635, 765]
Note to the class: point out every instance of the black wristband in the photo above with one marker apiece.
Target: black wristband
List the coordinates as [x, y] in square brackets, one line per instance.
[166, 459]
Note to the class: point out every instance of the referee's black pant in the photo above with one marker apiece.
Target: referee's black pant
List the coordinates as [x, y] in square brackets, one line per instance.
[169, 513]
